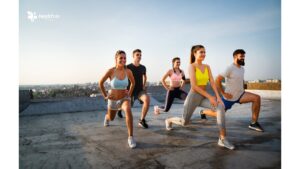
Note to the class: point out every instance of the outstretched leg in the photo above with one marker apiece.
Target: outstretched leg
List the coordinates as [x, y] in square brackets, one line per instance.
[190, 104]
[168, 102]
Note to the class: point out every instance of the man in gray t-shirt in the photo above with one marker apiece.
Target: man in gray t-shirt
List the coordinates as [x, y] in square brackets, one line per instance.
[234, 88]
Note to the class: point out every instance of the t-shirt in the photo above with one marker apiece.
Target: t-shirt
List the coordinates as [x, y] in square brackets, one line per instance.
[234, 81]
[138, 72]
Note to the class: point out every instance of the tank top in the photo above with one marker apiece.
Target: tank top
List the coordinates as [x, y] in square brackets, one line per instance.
[175, 78]
[201, 78]
[118, 84]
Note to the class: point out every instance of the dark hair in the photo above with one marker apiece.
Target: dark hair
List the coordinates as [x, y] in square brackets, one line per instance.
[136, 50]
[173, 61]
[193, 50]
[238, 51]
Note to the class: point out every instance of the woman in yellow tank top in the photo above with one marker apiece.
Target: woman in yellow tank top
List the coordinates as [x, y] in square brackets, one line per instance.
[200, 74]
[201, 78]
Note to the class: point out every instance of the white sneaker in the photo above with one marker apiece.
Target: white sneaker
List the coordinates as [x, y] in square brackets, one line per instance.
[106, 122]
[225, 143]
[168, 125]
[156, 110]
[131, 142]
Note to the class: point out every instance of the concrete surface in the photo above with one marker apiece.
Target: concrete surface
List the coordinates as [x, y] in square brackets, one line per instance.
[79, 141]
[70, 105]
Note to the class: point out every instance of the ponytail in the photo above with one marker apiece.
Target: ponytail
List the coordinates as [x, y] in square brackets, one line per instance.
[193, 50]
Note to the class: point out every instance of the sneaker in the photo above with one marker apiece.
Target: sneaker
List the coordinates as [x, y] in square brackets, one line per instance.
[225, 143]
[168, 125]
[203, 116]
[143, 124]
[256, 126]
[106, 122]
[156, 110]
[131, 142]
[120, 114]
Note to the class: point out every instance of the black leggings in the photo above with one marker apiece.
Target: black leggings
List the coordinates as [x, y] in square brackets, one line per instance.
[171, 95]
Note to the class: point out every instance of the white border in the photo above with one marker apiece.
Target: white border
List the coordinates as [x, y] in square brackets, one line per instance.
[290, 84]
[9, 126]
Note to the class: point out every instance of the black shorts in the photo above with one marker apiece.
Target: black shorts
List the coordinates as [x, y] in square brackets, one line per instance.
[137, 97]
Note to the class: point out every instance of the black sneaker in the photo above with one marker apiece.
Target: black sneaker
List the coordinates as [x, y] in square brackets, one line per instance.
[256, 126]
[143, 124]
[203, 116]
[120, 114]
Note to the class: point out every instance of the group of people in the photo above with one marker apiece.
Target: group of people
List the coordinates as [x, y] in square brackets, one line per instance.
[128, 83]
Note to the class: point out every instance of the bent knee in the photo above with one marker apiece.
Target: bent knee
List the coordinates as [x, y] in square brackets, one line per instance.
[257, 98]
[126, 104]
[219, 109]
[147, 99]
[111, 117]
[127, 110]
[184, 123]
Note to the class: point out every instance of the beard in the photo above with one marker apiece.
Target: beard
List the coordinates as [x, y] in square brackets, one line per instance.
[241, 62]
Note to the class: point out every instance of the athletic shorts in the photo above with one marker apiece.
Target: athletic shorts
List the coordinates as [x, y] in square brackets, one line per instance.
[116, 104]
[137, 97]
[228, 104]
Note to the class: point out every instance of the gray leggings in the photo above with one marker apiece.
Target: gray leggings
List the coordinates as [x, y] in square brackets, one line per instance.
[194, 100]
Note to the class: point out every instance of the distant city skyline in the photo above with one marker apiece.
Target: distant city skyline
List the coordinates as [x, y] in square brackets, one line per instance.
[63, 42]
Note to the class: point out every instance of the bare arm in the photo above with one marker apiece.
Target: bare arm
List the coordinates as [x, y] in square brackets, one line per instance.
[212, 82]
[164, 78]
[194, 84]
[132, 82]
[182, 81]
[219, 80]
[144, 81]
[101, 82]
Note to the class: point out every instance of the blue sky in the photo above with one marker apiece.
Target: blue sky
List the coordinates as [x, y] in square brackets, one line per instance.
[80, 46]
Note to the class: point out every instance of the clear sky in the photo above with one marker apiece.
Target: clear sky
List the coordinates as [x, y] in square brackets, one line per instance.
[79, 46]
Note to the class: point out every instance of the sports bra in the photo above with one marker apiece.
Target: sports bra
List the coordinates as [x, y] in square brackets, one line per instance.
[176, 77]
[118, 84]
[201, 78]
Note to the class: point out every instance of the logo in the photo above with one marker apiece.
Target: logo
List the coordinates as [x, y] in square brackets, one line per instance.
[33, 16]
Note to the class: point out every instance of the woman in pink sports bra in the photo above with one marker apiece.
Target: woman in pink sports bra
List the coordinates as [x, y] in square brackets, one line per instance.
[175, 89]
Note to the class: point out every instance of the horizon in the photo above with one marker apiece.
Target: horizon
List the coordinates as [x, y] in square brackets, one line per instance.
[79, 45]
[107, 81]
